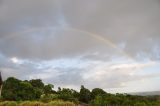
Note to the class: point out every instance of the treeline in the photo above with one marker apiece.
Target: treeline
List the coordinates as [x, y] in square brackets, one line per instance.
[35, 90]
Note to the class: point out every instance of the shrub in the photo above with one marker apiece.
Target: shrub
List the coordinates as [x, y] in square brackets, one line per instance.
[46, 98]
[140, 104]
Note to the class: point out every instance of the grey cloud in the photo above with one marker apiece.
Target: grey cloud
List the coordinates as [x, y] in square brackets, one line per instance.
[120, 21]
[116, 79]
[67, 77]
[51, 46]
[104, 75]
[26, 33]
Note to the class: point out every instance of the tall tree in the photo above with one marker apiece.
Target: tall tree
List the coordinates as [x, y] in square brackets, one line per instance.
[85, 94]
[38, 86]
[14, 89]
[11, 88]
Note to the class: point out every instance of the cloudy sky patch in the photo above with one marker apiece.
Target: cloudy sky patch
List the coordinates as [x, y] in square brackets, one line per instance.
[114, 45]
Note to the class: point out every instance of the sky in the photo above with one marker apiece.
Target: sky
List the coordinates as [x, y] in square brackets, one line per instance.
[108, 44]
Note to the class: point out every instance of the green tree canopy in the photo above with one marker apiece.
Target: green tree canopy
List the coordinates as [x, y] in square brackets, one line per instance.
[85, 94]
[48, 89]
[97, 91]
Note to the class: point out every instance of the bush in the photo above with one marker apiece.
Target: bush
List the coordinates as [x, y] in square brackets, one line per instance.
[98, 101]
[46, 98]
[140, 104]
[8, 103]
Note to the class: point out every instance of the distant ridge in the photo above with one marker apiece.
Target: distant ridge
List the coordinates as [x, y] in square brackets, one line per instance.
[149, 93]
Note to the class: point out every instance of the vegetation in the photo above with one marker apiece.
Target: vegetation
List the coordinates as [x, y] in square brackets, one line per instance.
[35, 103]
[16, 92]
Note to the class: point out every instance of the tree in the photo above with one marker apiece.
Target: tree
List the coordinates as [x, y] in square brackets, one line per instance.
[14, 89]
[11, 88]
[97, 91]
[26, 91]
[37, 83]
[48, 89]
[38, 86]
[85, 94]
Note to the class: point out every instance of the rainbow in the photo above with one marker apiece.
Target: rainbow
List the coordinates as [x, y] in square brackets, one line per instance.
[106, 41]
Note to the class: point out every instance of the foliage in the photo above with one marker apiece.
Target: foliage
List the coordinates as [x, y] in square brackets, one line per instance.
[85, 95]
[14, 89]
[10, 89]
[38, 86]
[37, 83]
[97, 91]
[122, 100]
[66, 94]
[140, 104]
[35, 90]
[47, 98]
[48, 89]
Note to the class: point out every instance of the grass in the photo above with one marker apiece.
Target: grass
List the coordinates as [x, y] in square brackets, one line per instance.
[8, 103]
[37, 103]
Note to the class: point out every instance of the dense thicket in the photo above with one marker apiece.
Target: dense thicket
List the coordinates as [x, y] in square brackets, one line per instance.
[18, 90]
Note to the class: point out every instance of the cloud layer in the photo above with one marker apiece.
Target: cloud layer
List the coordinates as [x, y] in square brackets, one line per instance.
[98, 43]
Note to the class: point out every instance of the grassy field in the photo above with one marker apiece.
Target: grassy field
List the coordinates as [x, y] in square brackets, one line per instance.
[37, 103]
